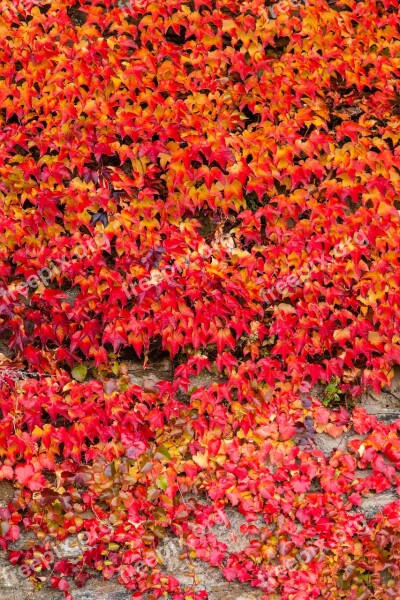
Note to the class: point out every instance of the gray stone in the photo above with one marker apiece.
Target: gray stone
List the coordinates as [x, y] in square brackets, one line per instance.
[72, 295]
[149, 377]
[386, 405]
[328, 444]
[13, 584]
[205, 379]
[202, 575]
[371, 505]
[6, 493]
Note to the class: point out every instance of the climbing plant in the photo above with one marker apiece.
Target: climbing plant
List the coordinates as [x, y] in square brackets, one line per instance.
[216, 181]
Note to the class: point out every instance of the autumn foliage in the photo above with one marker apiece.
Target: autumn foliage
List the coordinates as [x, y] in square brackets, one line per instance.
[216, 180]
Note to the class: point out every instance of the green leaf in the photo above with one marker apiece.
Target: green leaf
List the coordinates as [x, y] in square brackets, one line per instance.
[113, 546]
[79, 373]
[163, 451]
[162, 482]
[115, 368]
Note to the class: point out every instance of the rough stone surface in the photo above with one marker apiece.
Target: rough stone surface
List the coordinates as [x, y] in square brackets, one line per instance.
[370, 506]
[205, 577]
[13, 587]
[6, 493]
[94, 590]
[235, 540]
[148, 378]
[328, 444]
[386, 405]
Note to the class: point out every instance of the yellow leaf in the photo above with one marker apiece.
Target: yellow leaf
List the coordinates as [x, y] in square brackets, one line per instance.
[341, 334]
[286, 308]
[117, 82]
[386, 209]
[228, 25]
[201, 460]
[37, 431]
[374, 338]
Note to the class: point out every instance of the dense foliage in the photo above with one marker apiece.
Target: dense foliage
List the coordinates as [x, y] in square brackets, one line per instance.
[217, 180]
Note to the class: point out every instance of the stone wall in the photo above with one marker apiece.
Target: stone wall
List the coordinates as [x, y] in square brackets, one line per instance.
[14, 587]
